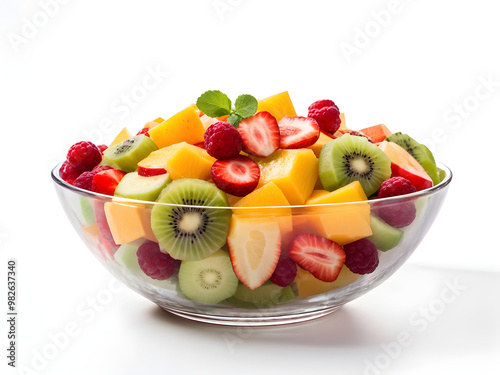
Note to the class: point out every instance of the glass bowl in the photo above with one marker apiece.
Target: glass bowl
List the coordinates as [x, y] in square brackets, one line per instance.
[306, 298]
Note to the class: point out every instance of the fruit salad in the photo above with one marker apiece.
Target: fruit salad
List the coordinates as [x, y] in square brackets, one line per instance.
[249, 204]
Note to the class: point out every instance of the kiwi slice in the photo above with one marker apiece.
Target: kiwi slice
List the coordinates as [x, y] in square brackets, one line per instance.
[420, 152]
[210, 280]
[384, 236]
[441, 174]
[266, 295]
[350, 158]
[186, 225]
[134, 186]
[126, 154]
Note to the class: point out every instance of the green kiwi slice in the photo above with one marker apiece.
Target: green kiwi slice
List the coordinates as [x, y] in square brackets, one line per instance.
[266, 295]
[420, 152]
[134, 186]
[210, 280]
[441, 174]
[186, 226]
[384, 236]
[125, 155]
[350, 158]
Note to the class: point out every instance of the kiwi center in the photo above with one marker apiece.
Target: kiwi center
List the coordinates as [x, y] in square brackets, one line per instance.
[358, 165]
[125, 146]
[190, 221]
[210, 278]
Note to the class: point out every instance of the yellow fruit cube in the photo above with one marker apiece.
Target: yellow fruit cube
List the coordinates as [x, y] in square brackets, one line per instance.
[323, 139]
[128, 222]
[278, 105]
[122, 135]
[294, 171]
[308, 285]
[180, 160]
[185, 126]
[352, 192]
[268, 195]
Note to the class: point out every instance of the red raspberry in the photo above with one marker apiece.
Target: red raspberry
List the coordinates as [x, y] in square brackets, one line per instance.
[395, 186]
[84, 181]
[222, 140]
[321, 104]
[326, 114]
[285, 272]
[102, 148]
[397, 214]
[100, 168]
[361, 256]
[155, 263]
[68, 173]
[84, 156]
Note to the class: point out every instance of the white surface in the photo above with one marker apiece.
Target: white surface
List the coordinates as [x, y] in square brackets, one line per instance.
[69, 79]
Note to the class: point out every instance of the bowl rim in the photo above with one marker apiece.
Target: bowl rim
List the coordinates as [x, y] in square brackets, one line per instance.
[116, 199]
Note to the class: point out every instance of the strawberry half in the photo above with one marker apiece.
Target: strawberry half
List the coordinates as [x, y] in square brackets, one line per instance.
[237, 176]
[298, 132]
[320, 256]
[260, 134]
[105, 182]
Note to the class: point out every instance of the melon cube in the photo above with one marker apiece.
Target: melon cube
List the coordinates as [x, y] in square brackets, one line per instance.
[279, 106]
[294, 171]
[128, 222]
[185, 126]
[308, 285]
[377, 133]
[180, 160]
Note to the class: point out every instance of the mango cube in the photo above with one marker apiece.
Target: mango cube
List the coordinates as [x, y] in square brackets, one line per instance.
[128, 222]
[352, 192]
[180, 160]
[323, 139]
[122, 135]
[294, 171]
[308, 285]
[185, 126]
[279, 105]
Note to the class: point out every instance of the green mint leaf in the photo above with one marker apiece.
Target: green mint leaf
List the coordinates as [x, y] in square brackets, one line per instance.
[245, 105]
[234, 119]
[214, 103]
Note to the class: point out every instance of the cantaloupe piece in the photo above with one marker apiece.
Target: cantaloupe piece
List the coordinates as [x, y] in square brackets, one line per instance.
[294, 171]
[92, 229]
[185, 126]
[308, 285]
[377, 133]
[352, 192]
[181, 160]
[128, 222]
[343, 125]
[279, 105]
[122, 135]
[339, 222]
[323, 139]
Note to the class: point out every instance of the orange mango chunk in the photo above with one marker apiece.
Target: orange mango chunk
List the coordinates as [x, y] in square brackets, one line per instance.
[308, 285]
[180, 160]
[268, 195]
[185, 126]
[323, 139]
[352, 192]
[377, 133]
[122, 135]
[128, 222]
[279, 106]
[294, 171]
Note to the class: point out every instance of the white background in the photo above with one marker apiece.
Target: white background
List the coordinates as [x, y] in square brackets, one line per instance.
[430, 69]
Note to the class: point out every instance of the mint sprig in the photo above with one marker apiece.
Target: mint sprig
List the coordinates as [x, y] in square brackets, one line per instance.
[216, 104]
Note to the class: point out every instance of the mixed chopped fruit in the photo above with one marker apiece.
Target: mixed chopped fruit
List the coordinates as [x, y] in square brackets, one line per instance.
[227, 177]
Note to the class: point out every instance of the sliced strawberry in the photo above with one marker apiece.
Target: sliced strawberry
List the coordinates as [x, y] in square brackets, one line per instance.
[105, 182]
[260, 134]
[144, 131]
[149, 172]
[298, 132]
[237, 176]
[322, 257]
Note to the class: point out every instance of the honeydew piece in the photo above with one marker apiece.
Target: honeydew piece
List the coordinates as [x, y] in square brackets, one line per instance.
[343, 224]
[322, 140]
[185, 126]
[307, 285]
[294, 171]
[122, 135]
[126, 255]
[181, 160]
[352, 192]
[279, 106]
[128, 222]
[87, 210]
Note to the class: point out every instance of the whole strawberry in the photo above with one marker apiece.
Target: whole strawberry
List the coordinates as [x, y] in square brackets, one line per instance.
[326, 114]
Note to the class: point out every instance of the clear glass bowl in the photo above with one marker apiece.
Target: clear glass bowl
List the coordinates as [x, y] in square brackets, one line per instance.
[312, 299]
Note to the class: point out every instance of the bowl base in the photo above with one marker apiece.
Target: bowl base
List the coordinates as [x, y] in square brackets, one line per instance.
[255, 321]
